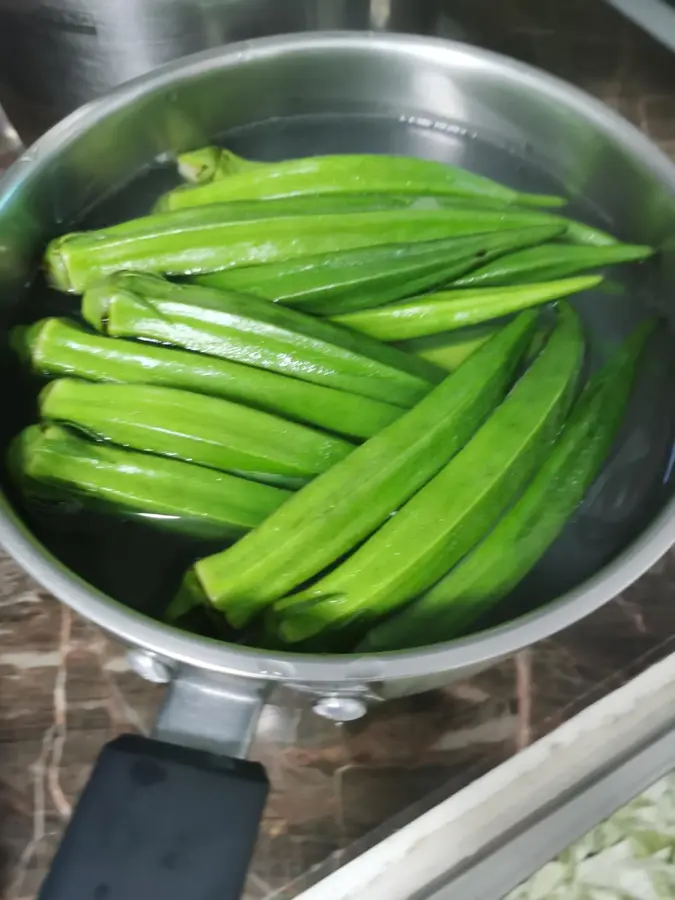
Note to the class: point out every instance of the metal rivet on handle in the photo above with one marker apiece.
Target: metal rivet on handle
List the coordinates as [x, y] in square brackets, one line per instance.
[341, 709]
[149, 666]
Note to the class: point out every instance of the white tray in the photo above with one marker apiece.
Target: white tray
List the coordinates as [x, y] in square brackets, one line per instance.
[655, 16]
[489, 837]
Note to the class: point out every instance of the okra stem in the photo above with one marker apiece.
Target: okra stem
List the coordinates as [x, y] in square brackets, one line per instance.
[203, 165]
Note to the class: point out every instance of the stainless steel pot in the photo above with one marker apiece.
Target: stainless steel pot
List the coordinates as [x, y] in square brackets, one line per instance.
[58, 54]
[307, 94]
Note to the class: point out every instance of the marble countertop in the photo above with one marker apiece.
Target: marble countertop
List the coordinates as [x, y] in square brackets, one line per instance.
[65, 687]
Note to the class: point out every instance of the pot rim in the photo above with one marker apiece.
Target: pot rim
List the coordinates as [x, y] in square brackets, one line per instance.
[171, 643]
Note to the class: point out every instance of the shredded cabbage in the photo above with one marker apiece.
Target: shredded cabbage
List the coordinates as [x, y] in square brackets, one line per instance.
[630, 856]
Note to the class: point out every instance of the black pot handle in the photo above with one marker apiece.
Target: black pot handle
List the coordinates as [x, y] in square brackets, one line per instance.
[159, 819]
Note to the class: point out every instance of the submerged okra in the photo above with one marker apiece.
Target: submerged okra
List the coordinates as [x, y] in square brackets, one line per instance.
[548, 262]
[238, 179]
[192, 427]
[345, 504]
[207, 239]
[249, 330]
[449, 310]
[575, 232]
[361, 279]
[527, 530]
[54, 464]
[449, 349]
[441, 522]
[60, 347]
[206, 163]
[232, 177]
[240, 210]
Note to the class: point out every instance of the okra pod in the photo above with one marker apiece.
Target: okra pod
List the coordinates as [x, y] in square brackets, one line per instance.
[192, 427]
[511, 549]
[575, 231]
[449, 310]
[289, 482]
[449, 349]
[187, 197]
[549, 262]
[345, 504]
[206, 239]
[357, 173]
[448, 516]
[53, 463]
[60, 347]
[252, 331]
[361, 279]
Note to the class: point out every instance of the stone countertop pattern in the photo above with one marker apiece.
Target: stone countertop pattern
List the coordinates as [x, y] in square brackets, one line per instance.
[65, 687]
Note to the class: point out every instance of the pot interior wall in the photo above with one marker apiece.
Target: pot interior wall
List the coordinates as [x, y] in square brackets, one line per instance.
[276, 107]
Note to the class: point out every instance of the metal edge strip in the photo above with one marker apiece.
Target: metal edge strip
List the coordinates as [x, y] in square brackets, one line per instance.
[594, 758]
[528, 847]
[655, 16]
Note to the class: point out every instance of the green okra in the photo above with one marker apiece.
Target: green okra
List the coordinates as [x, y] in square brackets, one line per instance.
[449, 310]
[549, 262]
[487, 574]
[252, 331]
[582, 234]
[348, 502]
[192, 427]
[60, 347]
[53, 463]
[576, 232]
[361, 279]
[183, 197]
[446, 518]
[207, 239]
[449, 349]
[187, 197]
[289, 482]
[235, 178]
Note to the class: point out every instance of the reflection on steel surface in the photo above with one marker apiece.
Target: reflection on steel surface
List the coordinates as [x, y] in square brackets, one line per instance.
[10, 143]
[58, 54]
[656, 16]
